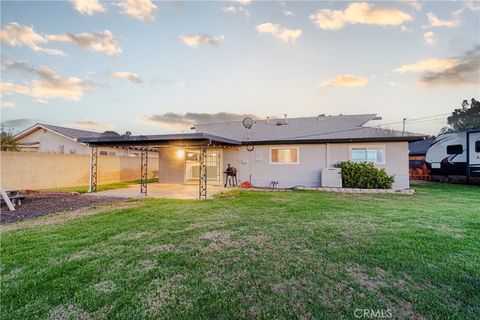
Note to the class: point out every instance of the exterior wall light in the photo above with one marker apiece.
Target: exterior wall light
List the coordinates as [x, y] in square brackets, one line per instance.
[180, 154]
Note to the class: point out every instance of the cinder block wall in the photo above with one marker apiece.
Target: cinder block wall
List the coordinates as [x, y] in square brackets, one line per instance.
[29, 170]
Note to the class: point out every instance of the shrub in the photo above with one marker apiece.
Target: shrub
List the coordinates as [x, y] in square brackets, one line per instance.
[364, 175]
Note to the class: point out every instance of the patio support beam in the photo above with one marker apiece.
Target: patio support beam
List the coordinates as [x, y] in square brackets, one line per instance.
[144, 170]
[202, 186]
[93, 169]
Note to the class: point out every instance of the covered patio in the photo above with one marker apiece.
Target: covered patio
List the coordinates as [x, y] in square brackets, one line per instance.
[201, 142]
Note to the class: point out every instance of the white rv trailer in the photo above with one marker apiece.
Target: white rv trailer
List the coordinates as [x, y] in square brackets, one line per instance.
[455, 154]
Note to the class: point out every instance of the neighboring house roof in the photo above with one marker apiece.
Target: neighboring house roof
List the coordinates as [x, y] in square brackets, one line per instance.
[70, 133]
[308, 130]
[420, 147]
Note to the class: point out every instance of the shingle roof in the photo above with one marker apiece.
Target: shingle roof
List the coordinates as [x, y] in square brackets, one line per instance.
[72, 133]
[420, 147]
[341, 127]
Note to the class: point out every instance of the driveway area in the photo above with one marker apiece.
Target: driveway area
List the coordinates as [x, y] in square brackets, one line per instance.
[161, 190]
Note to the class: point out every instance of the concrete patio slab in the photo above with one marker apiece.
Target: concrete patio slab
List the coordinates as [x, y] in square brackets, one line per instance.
[161, 190]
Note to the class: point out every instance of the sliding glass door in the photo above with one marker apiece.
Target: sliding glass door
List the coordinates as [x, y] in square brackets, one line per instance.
[192, 166]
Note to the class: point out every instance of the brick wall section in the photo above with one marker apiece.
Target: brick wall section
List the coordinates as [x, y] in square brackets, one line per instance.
[28, 170]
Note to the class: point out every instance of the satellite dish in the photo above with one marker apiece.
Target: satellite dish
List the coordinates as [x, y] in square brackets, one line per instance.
[247, 122]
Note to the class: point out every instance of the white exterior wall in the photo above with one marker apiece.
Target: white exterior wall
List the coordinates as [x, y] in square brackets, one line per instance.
[312, 158]
[50, 142]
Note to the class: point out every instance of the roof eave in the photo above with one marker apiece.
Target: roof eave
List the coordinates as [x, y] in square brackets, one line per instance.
[342, 140]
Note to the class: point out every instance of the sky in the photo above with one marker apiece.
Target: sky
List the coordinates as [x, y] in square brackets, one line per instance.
[159, 67]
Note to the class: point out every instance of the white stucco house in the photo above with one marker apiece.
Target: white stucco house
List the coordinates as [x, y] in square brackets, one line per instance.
[48, 138]
[290, 151]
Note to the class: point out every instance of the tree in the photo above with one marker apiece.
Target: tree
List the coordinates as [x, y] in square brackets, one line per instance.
[7, 142]
[465, 118]
[127, 134]
[110, 133]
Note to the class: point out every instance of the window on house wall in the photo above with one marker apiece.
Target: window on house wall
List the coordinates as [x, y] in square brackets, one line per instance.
[455, 149]
[61, 148]
[108, 153]
[284, 155]
[477, 146]
[368, 154]
[73, 151]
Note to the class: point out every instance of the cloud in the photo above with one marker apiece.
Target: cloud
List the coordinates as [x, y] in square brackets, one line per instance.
[243, 2]
[457, 71]
[15, 123]
[345, 80]
[15, 34]
[427, 65]
[194, 41]
[465, 72]
[434, 21]
[472, 5]
[48, 85]
[287, 13]
[102, 42]
[139, 9]
[8, 87]
[359, 13]
[90, 124]
[7, 104]
[191, 118]
[430, 38]
[131, 76]
[280, 33]
[88, 7]
[237, 10]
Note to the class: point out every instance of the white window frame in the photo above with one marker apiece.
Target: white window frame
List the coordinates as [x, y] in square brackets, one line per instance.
[283, 163]
[371, 147]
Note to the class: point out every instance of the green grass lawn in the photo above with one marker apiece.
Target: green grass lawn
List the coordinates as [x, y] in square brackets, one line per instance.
[300, 254]
[104, 187]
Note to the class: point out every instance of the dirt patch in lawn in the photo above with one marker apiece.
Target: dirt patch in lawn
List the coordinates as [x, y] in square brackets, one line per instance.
[41, 204]
[60, 217]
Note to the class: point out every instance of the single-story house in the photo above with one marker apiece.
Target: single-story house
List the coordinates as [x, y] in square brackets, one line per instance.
[290, 151]
[48, 138]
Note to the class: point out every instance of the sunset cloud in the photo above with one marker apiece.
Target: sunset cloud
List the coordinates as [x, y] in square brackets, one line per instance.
[88, 7]
[359, 13]
[434, 21]
[15, 34]
[131, 76]
[194, 41]
[192, 118]
[139, 9]
[458, 71]
[465, 72]
[345, 80]
[280, 33]
[102, 42]
[427, 65]
[429, 38]
[90, 125]
[47, 85]
[8, 87]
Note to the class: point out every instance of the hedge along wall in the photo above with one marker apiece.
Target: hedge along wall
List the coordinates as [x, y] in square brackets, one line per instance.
[29, 170]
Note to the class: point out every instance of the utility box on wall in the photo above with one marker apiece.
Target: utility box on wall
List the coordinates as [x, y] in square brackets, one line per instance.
[331, 177]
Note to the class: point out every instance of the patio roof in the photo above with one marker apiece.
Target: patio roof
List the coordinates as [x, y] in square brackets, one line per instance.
[187, 139]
